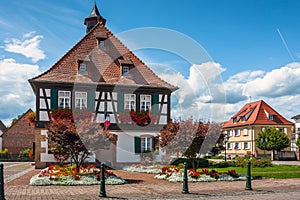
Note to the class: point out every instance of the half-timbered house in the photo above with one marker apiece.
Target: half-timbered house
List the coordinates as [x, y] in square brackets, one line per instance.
[99, 73]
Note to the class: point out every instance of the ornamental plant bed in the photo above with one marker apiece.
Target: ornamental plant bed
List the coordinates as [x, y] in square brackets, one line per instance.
[175, 174]
[66, 175]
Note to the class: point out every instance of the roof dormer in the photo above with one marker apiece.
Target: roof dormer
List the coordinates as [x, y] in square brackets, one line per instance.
[82, 67]
[125, 67]
[101, 37]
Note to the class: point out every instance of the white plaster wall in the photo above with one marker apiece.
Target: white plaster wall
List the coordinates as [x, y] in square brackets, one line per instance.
[125, 149]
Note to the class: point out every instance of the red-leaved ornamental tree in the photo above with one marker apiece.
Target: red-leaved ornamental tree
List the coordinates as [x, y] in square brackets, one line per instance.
[187, 136]
[76, 135]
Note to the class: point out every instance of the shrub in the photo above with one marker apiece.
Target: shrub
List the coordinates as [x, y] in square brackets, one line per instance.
[243, 161]
[4, 151]
[199, 162]
[25, 153]
[217, 157]
[265, 162]
[222, 164]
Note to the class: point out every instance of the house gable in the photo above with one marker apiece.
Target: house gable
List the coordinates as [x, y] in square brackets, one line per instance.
[19, 136]
[104, 67]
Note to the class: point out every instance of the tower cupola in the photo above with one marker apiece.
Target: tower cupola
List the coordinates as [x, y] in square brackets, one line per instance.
[93, 19]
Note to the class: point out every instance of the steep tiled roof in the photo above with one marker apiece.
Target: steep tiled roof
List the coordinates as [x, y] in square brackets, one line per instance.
[21, 118]
[255, 113]
[104, 65]
[2, 127]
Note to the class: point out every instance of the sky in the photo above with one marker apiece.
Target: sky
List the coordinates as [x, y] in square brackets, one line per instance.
[221, 54]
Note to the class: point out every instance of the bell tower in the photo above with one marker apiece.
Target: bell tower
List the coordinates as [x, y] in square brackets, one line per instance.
[93, 19]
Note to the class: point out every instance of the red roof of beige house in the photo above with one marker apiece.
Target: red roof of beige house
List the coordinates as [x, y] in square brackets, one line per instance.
[106, 63]
[255, 113]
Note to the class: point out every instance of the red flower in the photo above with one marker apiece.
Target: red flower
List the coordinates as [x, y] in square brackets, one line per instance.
[51, 167]
[205, 171]
[76, 176]
[195, 174]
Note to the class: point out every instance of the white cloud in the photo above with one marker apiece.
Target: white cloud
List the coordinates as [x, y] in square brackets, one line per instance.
[15, 91]
[279, 82]
[28, 46]
[280, 88]
[199, 93]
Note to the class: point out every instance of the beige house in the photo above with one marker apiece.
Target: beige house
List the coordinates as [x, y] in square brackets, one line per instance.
[242, 129]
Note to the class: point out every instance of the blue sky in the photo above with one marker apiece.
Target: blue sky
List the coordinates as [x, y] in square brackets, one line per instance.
[250, 42]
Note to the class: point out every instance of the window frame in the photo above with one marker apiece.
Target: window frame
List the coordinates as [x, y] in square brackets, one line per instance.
[147, 141]
[237, 133]
[80, 99]
[235, 120]
[146, 101]
[82, 67]
[247, 144]
[129, 101]
[245, 132]
[101, 44]
[236, 145]
[64, 99]
[229, 145]
[125, 70]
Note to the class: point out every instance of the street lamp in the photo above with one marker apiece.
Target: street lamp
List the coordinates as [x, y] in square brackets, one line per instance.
[225, 141]
[264, 142]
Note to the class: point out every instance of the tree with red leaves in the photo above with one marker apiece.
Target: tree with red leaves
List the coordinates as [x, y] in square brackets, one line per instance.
[186, 137]
[76, 135]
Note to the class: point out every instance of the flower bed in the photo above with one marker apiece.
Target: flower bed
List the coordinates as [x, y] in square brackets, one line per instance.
[67, 175]
[175, 174]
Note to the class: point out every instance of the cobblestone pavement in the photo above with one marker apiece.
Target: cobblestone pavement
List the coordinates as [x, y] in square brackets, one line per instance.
[13, 170]
[144, 186]
[262, 189]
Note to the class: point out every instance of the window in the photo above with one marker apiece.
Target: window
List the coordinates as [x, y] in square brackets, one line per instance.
[245, 132]
[246, 145]
[82, 68]
[229, 133]
[243, 119]
[271, 117]
[146, 144]
[80, 100]
[235, 120]
[125, 70]
[237, 145]
[101, 45]
[229, 145]
[145, 102]
[64, 99]
[237, 132]
[129, 101]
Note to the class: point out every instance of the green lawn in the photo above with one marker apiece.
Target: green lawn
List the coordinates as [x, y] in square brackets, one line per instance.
[275, 171]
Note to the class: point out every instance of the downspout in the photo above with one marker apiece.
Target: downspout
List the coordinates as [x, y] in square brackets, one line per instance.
[252, 141]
